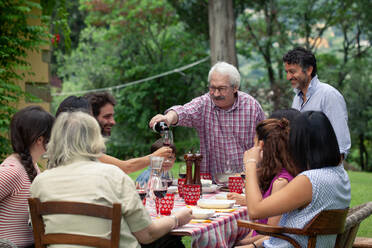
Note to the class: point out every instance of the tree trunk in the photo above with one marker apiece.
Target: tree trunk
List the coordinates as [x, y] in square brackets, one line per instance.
[362, 152]
[222, 31]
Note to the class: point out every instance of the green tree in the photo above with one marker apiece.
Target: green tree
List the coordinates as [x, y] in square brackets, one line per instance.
[16, 39]
[128, 41]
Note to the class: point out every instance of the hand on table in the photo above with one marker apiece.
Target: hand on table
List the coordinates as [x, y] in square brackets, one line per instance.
[240, 199]
[184, 216]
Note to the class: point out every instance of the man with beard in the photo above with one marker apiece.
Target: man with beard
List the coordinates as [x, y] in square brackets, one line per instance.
[102, 107]
[311, 94]
[225, 119]
[103, 104]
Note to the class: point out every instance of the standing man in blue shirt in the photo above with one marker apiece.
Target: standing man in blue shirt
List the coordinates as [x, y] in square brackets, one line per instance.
[311, 94]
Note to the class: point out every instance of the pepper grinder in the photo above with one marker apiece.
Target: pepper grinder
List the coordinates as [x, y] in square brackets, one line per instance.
[189, 158]
[197, 158]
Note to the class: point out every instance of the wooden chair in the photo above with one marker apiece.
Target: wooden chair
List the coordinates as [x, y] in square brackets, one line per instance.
[38, 209]
[325, 223]
[354, 217]
[6, 243]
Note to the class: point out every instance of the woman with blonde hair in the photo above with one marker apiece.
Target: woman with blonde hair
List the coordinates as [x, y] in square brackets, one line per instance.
[75, 174]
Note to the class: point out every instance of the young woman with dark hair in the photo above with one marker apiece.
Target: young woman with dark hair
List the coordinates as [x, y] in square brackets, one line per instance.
[322, 184]
[30, 130]
[276, 168]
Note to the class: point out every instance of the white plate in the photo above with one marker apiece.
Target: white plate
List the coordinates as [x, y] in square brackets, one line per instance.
[172, 189]
[210, 189]
[221, 196]
[202, 213]
[206, 183]
[210, 203]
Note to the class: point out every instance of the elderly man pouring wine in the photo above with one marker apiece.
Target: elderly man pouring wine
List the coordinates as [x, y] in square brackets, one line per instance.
[225, 119]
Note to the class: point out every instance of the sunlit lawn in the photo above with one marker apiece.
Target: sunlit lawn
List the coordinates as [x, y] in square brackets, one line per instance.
[361, 185]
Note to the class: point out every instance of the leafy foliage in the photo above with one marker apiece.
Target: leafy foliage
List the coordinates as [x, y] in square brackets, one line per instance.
[19, 36]
[128, 41]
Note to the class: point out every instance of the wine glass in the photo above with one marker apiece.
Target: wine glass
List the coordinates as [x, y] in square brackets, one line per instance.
[167, 176]
[167, 137]
[182, 171]
[159, 189]
[142, 192]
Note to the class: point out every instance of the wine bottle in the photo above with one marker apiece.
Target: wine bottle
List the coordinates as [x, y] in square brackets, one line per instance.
[160, 127]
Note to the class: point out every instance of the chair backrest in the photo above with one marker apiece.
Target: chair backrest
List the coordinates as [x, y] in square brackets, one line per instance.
[6, 243]
[325, 223]
[355, 216]
[38, 209]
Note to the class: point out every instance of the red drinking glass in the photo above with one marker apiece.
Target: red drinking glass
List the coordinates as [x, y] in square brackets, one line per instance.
[181, 183]
[236, 184]
[165, 205]
[191, 193]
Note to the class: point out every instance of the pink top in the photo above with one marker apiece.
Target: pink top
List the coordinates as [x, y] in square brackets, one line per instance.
[282, 174]
[14, 191]
[223, 134]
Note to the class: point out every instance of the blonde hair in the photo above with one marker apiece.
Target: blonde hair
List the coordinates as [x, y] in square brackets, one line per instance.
[75, 135]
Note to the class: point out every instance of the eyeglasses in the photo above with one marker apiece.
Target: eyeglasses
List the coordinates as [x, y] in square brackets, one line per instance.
[222, 89]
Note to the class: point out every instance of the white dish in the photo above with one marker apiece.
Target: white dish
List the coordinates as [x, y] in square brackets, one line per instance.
[172, 189]
[206, 182]
[202, 213]
[210, 189]
[221, 196]
[210, 203]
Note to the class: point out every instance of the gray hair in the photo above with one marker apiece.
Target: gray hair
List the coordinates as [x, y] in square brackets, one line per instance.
[226, 69]
[75, 135]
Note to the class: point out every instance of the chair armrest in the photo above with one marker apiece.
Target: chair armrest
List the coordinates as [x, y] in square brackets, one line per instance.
[259, 227]
[275, 231]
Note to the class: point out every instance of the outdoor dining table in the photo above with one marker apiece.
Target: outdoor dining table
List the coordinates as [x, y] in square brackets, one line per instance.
[220, 231]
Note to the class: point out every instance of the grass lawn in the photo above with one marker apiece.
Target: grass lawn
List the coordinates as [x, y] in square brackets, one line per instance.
[361, 185]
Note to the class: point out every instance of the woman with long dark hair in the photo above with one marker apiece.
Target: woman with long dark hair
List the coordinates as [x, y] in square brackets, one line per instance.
[321, 185]
[30, 130]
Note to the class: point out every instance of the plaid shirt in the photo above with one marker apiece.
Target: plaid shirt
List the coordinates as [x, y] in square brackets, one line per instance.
[224, 134]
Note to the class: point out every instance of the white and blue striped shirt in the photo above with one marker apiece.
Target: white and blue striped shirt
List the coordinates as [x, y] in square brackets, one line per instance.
[330, 190]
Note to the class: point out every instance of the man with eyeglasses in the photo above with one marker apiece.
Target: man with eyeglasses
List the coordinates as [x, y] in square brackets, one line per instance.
[225, 119]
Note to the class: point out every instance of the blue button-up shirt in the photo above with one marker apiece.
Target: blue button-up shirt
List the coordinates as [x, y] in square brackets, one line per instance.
[323, 97]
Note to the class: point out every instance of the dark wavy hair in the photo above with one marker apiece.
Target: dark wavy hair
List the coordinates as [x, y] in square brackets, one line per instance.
[275, 135]
[302, 57]
[74, 103]
[26, 126]
[313, 143]
[159, 144]
[99, 99]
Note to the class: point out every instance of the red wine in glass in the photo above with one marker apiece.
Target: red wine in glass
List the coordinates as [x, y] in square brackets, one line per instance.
[182, 175]
[169, 182]
[160, 193]
[243, 176]
[142, 194]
